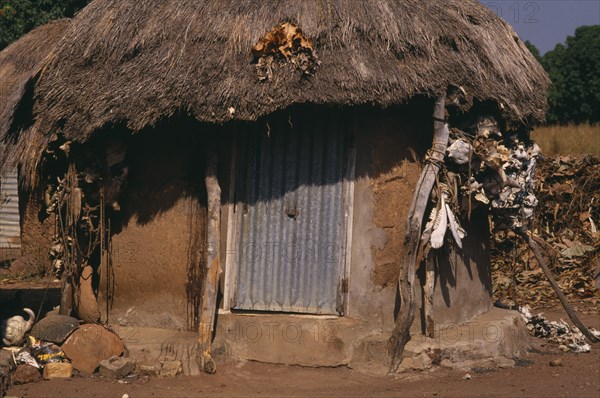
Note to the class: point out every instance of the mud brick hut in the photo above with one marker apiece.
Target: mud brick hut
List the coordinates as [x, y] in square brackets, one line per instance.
[247, 168]
[18, 63]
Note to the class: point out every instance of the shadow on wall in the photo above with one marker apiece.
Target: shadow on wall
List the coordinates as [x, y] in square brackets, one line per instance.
[166, 163]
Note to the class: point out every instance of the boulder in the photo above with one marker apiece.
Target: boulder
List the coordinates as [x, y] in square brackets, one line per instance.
[26, 374]
[58, 370]
[116, 367]
[7, 365]
[149, 370]
[55, 328]
[171, 369]
[420, 361]
[89, 345]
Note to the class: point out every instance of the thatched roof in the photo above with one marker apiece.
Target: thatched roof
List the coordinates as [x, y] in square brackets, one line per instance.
[134, 62]
[19, 62]
[137, 61]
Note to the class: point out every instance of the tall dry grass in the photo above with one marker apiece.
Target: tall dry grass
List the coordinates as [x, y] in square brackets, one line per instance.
[568, 140]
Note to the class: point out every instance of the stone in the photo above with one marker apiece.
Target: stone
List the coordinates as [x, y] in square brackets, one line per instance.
[420, 361]
[149, 370]
[58, 370]
[55, 328]
[171, 369]
[26, 374]
[503, 362]
[116, 367]
[7, 365]
[89, 345]
[87, 305]
[556, 362]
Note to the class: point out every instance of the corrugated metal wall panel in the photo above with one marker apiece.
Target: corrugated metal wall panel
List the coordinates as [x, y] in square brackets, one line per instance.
[10, 228]
[289, 188]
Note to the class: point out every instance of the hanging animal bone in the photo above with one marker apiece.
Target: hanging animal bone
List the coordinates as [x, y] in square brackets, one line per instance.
[440, 220]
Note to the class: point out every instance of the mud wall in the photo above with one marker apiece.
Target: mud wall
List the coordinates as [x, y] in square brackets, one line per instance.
[37, 230]
[389, 144]
[158, 237]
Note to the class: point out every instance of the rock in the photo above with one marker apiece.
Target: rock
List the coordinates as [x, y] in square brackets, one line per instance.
[556, 362]
[55, 328]
[171, 368]
[421, 361]
[89, 345]
[149, 370]
[7, 365]
[26, 374]
[58, 370]
[87, 305]
[116, 367]
[503, 362]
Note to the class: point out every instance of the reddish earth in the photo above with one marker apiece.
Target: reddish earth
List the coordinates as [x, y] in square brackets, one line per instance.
[578, 375]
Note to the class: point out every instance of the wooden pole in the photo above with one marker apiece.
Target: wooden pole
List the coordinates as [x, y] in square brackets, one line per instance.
[429, 287]
[412, 236]
[563, 300]
[209, 296]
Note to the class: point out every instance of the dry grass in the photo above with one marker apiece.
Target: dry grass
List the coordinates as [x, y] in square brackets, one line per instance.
[568, 140]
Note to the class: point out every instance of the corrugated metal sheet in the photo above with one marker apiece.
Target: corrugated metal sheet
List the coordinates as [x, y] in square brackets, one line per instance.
[10, 228]
[289, 188]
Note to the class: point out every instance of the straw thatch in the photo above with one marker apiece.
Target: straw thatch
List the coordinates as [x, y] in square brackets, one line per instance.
[135, 62]
[19, 62]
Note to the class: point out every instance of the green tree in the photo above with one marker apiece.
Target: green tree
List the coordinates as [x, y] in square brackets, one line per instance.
[18, 17]
[533, 50]
[574, 69]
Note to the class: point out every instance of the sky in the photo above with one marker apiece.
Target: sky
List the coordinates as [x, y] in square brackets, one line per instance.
[545, 23]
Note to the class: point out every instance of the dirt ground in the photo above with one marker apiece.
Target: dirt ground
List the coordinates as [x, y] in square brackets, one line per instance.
[578, 375]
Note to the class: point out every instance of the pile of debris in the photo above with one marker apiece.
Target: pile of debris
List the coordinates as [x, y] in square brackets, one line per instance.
[58, 346]
[483, 168]
[568, 338]
[566, 219]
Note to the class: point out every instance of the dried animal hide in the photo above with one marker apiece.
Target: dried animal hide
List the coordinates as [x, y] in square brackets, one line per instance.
[504, 177]
[285, 43]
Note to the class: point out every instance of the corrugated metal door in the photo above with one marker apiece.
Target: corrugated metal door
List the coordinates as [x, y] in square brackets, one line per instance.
[10, 228]
[290, 243]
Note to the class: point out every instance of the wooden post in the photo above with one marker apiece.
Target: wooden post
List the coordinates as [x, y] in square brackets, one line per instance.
[412, 236]
[209, 296]
[563, 300]
[429, 287]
